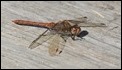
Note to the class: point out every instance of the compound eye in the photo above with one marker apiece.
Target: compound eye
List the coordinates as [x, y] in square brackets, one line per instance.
[74, 29]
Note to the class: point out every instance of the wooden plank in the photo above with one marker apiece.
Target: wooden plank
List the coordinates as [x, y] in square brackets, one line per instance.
[101, 48]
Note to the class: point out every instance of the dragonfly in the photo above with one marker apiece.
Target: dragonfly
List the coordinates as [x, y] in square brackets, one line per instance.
[57, 33]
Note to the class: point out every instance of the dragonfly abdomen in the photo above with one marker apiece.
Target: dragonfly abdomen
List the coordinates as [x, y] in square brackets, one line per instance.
[31, 23]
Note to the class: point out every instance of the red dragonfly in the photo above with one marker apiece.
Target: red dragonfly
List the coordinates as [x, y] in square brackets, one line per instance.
[59, 32]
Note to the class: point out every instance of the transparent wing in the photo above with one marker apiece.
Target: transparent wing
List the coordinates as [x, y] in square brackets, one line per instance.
[41, 39]
[56, 45]
[78, 20]
[83, 22]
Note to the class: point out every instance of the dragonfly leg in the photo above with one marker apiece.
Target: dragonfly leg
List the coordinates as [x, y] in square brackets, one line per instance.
[63, 37]
[73, 37]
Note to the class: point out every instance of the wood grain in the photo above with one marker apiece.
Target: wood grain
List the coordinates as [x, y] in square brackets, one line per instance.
[100, 49]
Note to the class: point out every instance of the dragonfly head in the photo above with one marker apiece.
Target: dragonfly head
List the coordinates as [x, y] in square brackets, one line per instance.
[75, 30]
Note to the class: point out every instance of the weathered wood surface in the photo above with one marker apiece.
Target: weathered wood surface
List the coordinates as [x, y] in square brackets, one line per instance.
[100, 49]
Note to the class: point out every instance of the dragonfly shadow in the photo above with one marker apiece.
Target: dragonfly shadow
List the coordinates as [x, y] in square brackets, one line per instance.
[83, 33]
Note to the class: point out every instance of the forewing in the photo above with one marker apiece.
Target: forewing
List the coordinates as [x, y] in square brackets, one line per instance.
[41, 39]
[91, 24]
[83, 22]
[56, 45]
[78, 20]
